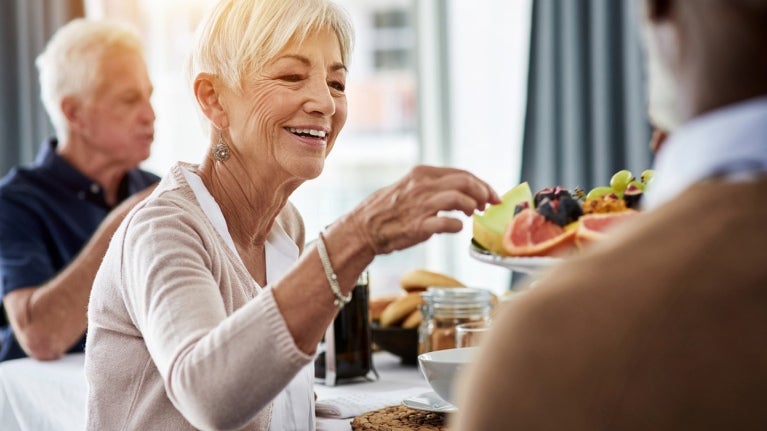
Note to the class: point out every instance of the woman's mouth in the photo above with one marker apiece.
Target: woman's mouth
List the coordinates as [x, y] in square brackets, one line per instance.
[311, 136]
[308, 133]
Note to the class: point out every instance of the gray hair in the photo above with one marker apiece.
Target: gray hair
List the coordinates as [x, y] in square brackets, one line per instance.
[70, 65]
[239, 37]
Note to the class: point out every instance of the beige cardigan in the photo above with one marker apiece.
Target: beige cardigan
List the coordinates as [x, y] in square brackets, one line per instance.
[177, 336]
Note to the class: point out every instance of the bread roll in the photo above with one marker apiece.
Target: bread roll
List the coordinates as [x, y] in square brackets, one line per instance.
[378, 304]
[419, 279]
[398, 310]
[413, 319]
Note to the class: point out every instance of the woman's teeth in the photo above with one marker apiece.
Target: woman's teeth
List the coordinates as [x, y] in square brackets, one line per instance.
[307, 132]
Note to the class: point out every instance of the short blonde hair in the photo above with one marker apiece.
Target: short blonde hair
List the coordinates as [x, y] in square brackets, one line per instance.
[70, 65]
[238, 37]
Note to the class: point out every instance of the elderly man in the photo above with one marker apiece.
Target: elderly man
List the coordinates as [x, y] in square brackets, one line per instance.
[663, 327]
[57, 215]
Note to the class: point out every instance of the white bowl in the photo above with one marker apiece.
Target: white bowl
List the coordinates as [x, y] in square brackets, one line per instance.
[441, 367]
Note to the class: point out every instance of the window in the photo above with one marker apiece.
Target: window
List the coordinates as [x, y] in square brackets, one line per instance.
[431, 81]
[393, 41]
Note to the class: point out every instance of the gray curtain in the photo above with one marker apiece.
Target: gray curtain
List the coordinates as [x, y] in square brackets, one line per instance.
[586, 110]
[586, 103]
[25, 27]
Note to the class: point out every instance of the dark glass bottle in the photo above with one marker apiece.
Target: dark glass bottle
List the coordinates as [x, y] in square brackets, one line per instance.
[346, 347]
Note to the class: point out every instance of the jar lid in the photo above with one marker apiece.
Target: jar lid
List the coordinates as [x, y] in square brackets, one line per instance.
[456, 296]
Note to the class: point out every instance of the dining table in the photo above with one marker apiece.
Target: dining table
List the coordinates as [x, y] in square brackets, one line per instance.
[51, 395]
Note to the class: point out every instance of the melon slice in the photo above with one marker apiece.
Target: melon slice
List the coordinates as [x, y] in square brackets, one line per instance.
[489, 226]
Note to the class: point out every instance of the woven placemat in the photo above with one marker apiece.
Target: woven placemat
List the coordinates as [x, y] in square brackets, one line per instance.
[400, 418]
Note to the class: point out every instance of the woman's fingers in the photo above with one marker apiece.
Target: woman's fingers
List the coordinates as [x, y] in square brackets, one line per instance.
[433, 178]
[469, 185]
[449, 200]
[442, 224]
[409, 211]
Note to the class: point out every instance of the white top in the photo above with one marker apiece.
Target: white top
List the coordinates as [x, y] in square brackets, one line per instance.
[294, 407]
[730, 141]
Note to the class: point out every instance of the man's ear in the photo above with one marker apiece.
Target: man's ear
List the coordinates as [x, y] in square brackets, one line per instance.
[206, 91]
[658, 10]
[71, 107]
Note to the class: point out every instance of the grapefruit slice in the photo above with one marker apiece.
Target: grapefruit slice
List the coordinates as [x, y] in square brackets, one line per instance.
[488, 227]
[594, 227]
[530, 234]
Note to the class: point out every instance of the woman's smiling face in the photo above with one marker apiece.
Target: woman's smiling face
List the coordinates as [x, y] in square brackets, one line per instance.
[287, 117]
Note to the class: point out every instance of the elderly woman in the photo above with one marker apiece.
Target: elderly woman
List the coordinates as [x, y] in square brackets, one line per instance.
[206, 311]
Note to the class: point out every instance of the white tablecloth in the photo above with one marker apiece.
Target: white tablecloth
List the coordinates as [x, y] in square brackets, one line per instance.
[40, 396]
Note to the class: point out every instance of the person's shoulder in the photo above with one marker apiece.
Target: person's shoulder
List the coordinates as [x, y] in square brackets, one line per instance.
[713, 210]
[22, 184]
[173, 186]
[18, 176]
[172, 199]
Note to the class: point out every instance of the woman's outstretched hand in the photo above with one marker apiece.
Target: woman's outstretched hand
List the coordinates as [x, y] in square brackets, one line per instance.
[409, 211]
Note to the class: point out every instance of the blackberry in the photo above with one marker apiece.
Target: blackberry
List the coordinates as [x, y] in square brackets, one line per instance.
[570, 209]
[561, 192]
[544, 193]
[550, 210]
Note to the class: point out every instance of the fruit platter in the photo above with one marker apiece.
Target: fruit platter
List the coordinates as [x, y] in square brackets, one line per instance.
[528, 232]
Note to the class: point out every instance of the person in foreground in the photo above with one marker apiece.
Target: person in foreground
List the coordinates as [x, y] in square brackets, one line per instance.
[206, 311]
[663, 326]
[57, 215]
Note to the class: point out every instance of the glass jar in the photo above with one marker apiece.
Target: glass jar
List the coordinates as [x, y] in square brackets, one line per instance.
[444, 308]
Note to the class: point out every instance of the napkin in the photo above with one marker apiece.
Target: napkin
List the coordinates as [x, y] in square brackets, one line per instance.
[354, 404]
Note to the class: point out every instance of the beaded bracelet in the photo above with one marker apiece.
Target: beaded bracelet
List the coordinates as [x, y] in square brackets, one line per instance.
[340, 300]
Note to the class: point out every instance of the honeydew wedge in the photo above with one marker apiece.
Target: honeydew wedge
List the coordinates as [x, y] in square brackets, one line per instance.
[489, 225]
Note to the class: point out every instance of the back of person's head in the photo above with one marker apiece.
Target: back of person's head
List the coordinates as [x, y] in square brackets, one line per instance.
[239, 37]
[702, 54]
[71, 62]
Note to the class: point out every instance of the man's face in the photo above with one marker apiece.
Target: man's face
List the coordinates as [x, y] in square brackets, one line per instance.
[662, 84]
[118, 120]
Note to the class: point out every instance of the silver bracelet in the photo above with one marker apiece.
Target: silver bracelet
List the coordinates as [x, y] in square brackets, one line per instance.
[340, 300]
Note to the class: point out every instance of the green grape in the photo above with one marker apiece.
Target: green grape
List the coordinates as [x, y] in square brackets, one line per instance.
[647, 176]
[621, 179]
[599, 191]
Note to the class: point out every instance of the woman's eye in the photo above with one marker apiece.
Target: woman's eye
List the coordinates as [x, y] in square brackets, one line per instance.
[291, 78]
[337, 85]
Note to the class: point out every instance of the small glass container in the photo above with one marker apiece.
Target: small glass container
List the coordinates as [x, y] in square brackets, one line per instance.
[444, 308]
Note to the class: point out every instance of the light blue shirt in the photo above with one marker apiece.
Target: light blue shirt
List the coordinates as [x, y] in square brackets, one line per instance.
[729, 142]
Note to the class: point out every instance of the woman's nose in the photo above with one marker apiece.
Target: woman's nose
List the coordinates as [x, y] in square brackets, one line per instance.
[320, 100]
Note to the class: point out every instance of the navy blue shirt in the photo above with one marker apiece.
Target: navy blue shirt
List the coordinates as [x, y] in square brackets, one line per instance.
[48, 211]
